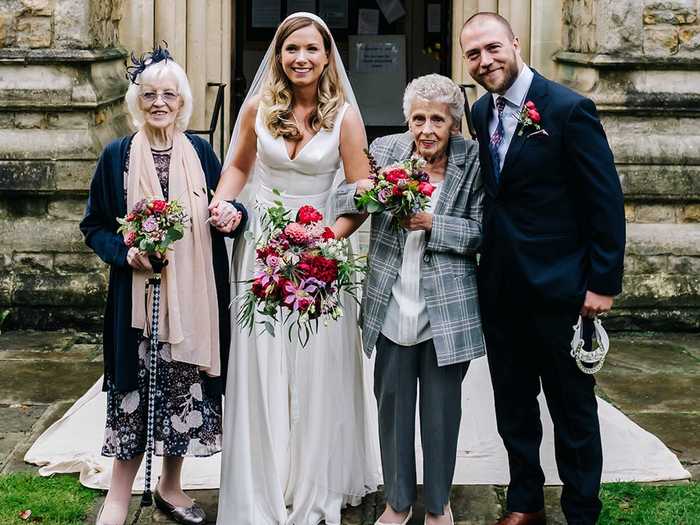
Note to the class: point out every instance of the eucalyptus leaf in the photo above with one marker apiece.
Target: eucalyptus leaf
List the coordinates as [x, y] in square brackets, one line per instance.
[374, 207]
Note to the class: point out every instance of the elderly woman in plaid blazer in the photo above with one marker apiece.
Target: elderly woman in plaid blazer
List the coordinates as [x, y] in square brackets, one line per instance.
[419, 306]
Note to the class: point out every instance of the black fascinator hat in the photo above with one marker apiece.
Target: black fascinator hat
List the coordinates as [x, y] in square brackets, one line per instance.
[149, 58]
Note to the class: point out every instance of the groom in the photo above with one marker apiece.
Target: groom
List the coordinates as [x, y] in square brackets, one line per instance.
[554, 237]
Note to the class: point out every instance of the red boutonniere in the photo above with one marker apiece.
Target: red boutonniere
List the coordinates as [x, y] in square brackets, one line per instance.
[529, 119]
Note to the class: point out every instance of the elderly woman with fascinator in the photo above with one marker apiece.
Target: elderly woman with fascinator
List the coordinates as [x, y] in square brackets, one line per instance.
[161, 161]
[420, 305]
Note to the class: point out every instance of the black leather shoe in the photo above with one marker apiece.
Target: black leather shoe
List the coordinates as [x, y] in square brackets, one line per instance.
[193, 515]
[523, 518]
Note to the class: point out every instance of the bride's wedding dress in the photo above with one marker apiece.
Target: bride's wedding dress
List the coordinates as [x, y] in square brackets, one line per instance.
[299, 436]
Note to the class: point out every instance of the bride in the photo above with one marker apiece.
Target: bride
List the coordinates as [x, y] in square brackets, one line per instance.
[298, 444]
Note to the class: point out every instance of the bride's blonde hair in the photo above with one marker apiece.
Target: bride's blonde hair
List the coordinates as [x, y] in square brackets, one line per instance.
[277, 93]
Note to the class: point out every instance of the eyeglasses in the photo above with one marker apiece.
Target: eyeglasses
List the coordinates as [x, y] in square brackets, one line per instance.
[150, 97]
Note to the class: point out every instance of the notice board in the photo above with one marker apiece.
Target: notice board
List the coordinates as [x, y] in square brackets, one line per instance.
[378, 77]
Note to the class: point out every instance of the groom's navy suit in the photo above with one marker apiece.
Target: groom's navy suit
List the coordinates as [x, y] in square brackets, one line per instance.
[553, 228]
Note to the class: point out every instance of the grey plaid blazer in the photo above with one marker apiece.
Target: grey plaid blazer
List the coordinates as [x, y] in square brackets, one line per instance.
[448, 272]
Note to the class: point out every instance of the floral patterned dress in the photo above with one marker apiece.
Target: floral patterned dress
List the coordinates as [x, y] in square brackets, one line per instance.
[187, 420]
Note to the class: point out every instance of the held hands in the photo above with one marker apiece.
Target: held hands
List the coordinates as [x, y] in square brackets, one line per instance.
[595, 304]
[418, 221]
[224, 216]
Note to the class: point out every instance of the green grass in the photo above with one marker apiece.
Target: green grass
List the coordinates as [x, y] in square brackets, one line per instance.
[633, 503]
[61, 500]
[58, 500]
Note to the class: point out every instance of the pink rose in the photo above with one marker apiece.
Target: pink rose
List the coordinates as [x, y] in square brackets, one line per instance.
[426, 188]
[534, 115]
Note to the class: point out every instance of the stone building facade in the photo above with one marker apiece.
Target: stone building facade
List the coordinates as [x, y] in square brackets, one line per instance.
[61, 90]
[640, 62]
[62, 84]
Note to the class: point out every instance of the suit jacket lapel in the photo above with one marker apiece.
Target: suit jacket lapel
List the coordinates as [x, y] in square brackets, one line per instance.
[538, 94]
[482, 117]
[454, 171]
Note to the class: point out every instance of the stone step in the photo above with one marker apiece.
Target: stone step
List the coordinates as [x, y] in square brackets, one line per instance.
[661, 289]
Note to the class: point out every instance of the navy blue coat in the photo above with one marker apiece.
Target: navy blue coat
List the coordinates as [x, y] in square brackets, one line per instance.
[554, 226]
[105, 203]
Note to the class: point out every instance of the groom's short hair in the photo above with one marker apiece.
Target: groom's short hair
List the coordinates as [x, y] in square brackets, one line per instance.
[492, 16]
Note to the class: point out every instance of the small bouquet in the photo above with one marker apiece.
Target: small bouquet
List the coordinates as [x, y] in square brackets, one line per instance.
[529, 120]
[301, 269]
[402, 189]
[153, 225]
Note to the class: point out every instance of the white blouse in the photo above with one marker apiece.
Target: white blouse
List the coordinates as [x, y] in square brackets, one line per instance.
[406, 321]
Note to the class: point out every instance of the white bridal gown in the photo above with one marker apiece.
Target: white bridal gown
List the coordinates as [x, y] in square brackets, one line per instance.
[300, 436]
[298, 439]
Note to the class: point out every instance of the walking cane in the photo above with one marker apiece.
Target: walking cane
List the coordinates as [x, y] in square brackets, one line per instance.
[147, 497]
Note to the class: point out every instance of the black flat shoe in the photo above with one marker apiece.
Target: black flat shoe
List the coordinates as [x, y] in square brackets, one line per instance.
[193, 515]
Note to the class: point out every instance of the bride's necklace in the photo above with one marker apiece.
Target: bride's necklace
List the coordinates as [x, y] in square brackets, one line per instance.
[301, 127]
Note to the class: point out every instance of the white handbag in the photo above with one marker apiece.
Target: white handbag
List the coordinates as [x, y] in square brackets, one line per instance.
[590, 361]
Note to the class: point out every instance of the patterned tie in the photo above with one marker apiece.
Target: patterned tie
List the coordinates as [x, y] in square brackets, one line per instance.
[497, 138]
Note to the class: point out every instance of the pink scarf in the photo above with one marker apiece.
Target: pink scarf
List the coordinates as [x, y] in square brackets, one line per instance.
[189, 317]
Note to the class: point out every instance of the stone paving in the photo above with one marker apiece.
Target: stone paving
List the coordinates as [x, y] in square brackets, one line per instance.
[653, 378]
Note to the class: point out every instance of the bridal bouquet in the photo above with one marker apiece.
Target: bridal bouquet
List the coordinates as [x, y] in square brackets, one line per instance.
[402, 189]
[153, 225]
[301, 269]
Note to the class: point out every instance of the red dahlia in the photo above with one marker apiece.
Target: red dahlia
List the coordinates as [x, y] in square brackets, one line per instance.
[393, 175]
[319, 267]
[296, 233]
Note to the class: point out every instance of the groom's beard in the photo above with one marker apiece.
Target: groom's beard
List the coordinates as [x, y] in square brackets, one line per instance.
[510, 74]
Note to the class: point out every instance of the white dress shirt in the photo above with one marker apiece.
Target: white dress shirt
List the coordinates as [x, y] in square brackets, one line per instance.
[406, 322]
[515, 99]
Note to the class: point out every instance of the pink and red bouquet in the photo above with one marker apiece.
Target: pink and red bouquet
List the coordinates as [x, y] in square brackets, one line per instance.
[301, 271]
[402, 189]
[153, 225]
